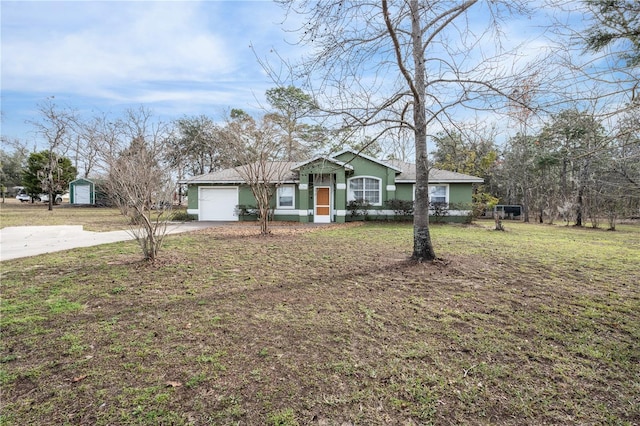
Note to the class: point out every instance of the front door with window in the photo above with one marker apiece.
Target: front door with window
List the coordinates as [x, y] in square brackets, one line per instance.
[322, 205]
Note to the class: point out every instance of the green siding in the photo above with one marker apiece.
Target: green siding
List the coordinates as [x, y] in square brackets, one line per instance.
[404, 191]
[320, 167]
[245, 197]
[192, 196]
[460, 193]
[364, 167]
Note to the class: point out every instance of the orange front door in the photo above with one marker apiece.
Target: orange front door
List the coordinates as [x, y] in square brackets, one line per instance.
[323, 203]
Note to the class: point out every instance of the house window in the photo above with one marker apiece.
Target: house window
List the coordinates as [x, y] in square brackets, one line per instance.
[365, 188]
[286, 197]
[438, 193]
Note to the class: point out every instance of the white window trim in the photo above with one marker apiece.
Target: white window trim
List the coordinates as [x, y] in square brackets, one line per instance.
[350, 197]
[434, 184]
[446, 191]
[293, 201]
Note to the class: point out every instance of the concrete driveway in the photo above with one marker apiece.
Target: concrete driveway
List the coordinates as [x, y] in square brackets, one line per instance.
[25, 241]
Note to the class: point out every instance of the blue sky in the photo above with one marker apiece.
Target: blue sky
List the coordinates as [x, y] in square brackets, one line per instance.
[175, 57]
[178, 58]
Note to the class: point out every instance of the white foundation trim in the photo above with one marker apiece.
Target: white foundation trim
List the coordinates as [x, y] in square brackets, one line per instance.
[431, 212]
[289, 212]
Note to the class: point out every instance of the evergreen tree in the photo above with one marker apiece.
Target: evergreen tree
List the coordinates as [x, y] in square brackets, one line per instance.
[40, 177]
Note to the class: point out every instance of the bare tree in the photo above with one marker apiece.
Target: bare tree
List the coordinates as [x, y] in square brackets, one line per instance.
[621, 183]
[258, 151]
[577, 137]
[137, 180]
[627, 150]
[403, 64]
[56, 127]
[92, 137]
[521, 110]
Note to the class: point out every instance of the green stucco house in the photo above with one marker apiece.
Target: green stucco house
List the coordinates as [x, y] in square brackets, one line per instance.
[325, 189]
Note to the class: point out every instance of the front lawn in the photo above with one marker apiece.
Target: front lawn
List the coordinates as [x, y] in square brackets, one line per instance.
[328, 326]
[14, 213]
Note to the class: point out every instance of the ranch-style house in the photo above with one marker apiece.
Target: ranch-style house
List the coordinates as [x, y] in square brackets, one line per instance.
[342, 187]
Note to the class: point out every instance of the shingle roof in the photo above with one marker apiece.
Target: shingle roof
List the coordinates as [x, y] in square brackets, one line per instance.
[408, 174]
[279, 171]
[286, 172]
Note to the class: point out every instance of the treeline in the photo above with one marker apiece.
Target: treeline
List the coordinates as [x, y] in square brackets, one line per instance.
[573, 169]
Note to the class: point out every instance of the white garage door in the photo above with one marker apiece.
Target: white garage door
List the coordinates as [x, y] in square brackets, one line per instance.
[218, 203]
[82, 194]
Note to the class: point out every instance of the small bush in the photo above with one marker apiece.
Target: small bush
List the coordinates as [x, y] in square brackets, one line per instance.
[401, 208]
[246, 211]
[468, 207]
[359, 207]
[440, 211]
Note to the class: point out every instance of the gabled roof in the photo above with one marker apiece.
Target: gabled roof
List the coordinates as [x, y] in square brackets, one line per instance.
[408, 175]
[375, 160]
[287, 172]
[81, 179]
[322, 158]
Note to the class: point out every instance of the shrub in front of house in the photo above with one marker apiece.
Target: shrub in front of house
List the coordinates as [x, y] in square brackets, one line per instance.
[403, 209]
[358, 209]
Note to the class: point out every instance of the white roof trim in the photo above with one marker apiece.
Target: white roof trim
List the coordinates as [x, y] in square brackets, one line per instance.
[324, 158]
[240, 181]
[474, 180]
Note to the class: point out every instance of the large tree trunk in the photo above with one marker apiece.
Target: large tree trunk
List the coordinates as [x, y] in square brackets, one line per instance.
[422, 246]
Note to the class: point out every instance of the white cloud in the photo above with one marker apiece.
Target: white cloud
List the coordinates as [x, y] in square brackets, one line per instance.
[136, 42]
[176, 57]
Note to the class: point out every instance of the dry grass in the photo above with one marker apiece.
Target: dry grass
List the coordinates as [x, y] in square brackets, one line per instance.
[324, 326]
[15, 213]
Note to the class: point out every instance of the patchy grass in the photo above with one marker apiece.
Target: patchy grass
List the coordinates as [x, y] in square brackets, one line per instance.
[536, 325]
[14, 213]
[96, 219]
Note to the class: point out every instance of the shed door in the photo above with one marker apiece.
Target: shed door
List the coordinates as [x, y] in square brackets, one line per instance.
[218, 204]
[82, 194]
